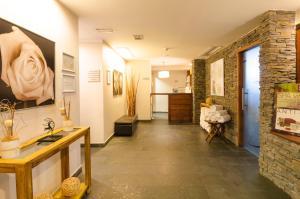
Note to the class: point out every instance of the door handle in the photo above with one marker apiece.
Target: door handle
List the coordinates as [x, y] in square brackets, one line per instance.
[244, 105]
[243, 99]
[246, 99]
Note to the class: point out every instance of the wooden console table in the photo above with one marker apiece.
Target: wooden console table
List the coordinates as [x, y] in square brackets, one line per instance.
[33, 154]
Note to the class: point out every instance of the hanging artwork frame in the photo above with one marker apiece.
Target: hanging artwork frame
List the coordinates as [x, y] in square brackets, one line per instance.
[27, 67]
[217, 78]
[117, 83]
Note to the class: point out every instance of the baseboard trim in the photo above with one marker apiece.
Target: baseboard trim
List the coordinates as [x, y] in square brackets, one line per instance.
[146, 120]
[77, 172]
[107, 141]
[100, 144]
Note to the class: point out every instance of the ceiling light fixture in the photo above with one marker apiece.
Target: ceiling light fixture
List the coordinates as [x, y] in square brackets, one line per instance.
[125, 53]
[163, 74]
[138, 37]
[105, 30]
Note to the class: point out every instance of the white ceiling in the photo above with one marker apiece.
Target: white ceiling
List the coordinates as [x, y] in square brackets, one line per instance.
[188, 27]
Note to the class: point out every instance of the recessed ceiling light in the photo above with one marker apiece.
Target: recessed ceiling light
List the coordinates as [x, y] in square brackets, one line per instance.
[105, 30]
[163, 74]
[138, 37]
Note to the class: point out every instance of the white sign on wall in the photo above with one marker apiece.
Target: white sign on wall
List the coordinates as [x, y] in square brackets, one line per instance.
[94, 76]
[217, 78]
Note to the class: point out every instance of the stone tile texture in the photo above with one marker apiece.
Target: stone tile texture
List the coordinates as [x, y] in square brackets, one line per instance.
[164, 161]
[279, 159]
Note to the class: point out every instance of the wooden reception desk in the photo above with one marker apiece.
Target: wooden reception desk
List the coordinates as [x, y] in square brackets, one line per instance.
[180, 108]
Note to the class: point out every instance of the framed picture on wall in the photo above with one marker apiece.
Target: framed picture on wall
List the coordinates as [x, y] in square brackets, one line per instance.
[287, 109]
[117, 83]
[69, 83]
[217, 78]
[68, 63]
[108, 77]
[27, 67]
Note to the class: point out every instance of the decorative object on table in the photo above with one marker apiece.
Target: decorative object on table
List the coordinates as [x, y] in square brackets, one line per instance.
[43, 196]
[70, 186]
[208, 102]
[27, 67]
[131, 91]
[65, 112]
[68, 63]
[217, 78]
[287, 109]
[49, 127]
[9, 145]
[117, 83]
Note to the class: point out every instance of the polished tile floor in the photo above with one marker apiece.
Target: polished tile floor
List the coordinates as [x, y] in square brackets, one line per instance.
[164, 161]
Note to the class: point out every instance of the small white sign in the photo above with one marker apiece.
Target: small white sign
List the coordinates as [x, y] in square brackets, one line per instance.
[94, 76]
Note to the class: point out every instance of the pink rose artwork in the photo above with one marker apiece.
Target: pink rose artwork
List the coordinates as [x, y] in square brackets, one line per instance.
[24, 68]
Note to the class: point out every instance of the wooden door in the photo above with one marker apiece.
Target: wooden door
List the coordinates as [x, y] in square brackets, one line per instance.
[298, 52]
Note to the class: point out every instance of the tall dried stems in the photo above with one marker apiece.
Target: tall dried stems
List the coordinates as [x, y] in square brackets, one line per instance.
[7, 114]
[131, 91]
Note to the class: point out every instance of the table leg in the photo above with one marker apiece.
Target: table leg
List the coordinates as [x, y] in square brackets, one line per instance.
[87, 150]
[24, 182]
[65, 163]
[212, 133]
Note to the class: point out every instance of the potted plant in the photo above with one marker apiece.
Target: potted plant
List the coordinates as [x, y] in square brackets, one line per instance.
[65, 112]
[131, 92]
[10, 144]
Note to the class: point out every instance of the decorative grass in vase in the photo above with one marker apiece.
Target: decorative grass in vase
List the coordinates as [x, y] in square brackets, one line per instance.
[9, 145]
[65, 112]
[131, 92]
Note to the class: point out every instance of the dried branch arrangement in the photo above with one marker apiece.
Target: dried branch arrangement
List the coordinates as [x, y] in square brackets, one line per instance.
[65, 110]
[131, 92]
[7, 114]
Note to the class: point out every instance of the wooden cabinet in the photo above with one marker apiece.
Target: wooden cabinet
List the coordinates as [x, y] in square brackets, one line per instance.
[180, 108]
[298, 52]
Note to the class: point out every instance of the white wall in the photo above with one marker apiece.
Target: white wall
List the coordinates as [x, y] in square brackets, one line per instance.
[91, 93]
[297, 16]
[177, 79]
[51, 20]
[114, 106]
[142, 70]
[98, 107]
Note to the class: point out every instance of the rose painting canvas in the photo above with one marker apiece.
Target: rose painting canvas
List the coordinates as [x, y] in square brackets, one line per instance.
[27, 67]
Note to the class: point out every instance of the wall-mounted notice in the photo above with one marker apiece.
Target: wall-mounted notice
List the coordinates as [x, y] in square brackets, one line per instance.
[287, 108]
[94, 75]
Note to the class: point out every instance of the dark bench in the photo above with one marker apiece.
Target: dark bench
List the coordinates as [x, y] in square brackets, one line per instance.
[125, 126]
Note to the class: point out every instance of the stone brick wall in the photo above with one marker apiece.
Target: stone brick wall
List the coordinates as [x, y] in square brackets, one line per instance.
[279, 159]
[198, 87]
[229, 101]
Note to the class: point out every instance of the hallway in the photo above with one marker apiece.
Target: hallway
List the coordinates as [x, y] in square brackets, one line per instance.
[174, 161]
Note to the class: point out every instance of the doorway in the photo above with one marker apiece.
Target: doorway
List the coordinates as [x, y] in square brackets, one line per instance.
[250, 99]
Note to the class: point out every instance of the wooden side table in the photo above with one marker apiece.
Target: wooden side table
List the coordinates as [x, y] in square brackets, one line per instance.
[32, 155]
[217, 129]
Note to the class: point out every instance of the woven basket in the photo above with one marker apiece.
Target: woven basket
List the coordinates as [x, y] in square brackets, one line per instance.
[43, 196]
[70, 186]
